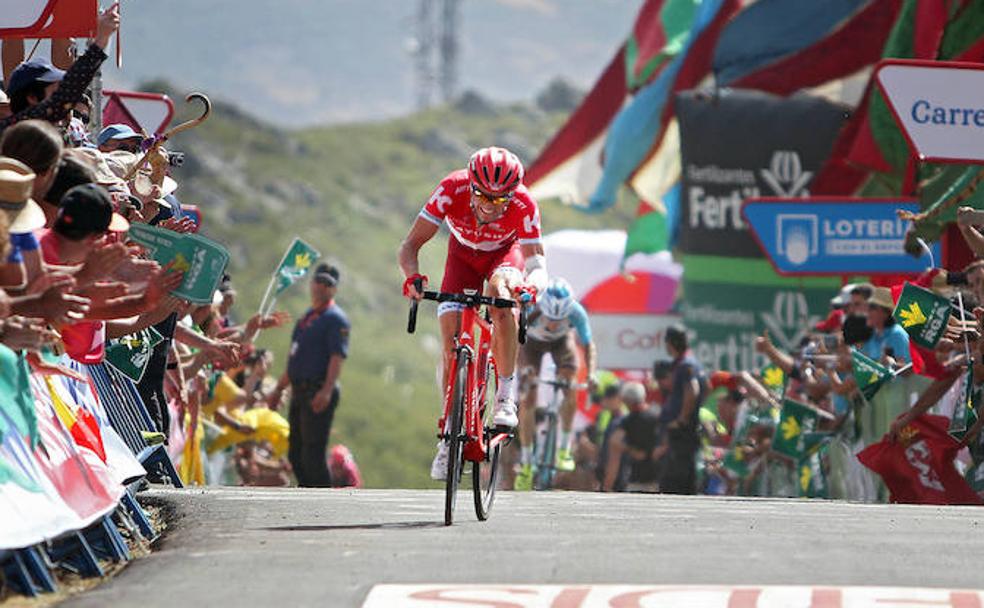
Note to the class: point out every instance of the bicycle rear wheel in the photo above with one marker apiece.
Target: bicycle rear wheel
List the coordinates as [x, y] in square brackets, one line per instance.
[545, 464]
[455, 436]
[485, 474]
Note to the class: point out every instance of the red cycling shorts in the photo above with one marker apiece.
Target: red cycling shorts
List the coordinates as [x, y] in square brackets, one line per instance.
[468, 268]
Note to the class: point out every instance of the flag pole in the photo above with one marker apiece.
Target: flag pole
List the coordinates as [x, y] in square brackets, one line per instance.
[970, 362]
[270, 306]
[266, 296]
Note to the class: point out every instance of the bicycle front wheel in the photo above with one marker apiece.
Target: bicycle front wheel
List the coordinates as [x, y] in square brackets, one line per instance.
[455, 436]
[485, 478]
[485, 474]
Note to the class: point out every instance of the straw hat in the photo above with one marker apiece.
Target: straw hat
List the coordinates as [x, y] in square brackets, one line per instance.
[882, 296]
[16, 185]
[96, 160]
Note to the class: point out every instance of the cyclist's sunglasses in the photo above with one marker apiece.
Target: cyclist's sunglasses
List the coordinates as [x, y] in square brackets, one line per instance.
[495, 200]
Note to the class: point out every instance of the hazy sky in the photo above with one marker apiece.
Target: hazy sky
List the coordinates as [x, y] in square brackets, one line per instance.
[300, 62]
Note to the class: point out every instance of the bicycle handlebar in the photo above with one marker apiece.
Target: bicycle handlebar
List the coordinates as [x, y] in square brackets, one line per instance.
[563, 384]
[470, 300]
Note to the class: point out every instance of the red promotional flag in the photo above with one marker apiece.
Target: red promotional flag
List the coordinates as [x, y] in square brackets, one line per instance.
[49, 18]
[918, 469]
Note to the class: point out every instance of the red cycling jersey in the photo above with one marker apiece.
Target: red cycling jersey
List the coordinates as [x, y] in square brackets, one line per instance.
[451, 203]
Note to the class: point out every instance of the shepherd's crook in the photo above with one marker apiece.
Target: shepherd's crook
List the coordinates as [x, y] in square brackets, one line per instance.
[174, 131]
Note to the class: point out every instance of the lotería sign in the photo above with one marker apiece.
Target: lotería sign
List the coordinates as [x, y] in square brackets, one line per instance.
[828, 236]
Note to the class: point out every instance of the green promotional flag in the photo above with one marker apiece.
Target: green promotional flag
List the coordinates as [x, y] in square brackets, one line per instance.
[811, 476]
[131, 354]
[202, 260]
[868, 374]
[774, 379]
[923, 315]
[735, 460]
[795, 420]
[300, 257]
[965, 411]
[812, 480]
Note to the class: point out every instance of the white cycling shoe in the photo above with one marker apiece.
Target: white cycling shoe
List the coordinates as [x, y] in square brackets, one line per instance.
[439, 468]
[505, 413]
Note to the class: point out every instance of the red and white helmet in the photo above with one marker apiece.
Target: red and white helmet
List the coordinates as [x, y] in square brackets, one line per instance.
[496, 171]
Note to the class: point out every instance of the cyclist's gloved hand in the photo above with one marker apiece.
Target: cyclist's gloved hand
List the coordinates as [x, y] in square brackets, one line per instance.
[410, 288]
[526, 294]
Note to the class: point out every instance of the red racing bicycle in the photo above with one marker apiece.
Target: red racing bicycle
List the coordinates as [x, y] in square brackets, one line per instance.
[466, 422]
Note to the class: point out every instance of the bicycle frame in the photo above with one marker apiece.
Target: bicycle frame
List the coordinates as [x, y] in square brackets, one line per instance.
[479, 359]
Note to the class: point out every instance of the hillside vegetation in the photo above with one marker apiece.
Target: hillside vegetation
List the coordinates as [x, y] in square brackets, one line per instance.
[352, 191]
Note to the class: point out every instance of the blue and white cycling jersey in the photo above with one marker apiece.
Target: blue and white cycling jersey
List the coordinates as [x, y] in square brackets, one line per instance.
[542, 329]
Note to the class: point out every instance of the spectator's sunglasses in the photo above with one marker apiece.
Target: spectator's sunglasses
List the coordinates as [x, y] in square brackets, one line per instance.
[495, 200]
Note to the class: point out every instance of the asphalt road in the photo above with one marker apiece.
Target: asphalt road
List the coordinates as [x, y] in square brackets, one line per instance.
[294, 547]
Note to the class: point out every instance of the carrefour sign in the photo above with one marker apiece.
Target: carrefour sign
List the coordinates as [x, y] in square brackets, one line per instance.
[938, 105]
[829, 236]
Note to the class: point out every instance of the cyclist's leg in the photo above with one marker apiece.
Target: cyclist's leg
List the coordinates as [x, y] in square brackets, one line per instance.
[530, 358]
[529, 365]
[504, 343]
[459, 274]
[565, 356]
[506, 275]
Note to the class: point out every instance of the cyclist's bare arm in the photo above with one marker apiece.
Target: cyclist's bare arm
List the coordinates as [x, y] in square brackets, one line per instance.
[536, 265]
[590, 357]
[421, 232]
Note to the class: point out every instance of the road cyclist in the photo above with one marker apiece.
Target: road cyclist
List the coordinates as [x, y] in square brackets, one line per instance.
[556, 326]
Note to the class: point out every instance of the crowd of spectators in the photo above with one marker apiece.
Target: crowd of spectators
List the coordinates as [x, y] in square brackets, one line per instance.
[681, 429]
[72, 284]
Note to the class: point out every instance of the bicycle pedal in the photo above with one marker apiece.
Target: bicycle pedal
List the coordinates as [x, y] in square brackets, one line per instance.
[508, 431]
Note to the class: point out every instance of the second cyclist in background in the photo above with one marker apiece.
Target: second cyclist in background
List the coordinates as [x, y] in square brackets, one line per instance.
[557, 322]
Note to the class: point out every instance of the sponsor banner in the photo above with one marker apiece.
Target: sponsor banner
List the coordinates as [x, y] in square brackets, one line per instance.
[660, 596]
[938, 105]
[724, 319]
[835, 236]
[630, 341]
[740, 145]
